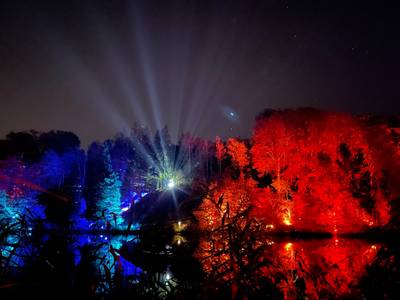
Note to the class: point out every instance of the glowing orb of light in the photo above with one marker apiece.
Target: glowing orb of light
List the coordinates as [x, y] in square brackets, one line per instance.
[171, 184]
[287, 221]
[168, 276]
[288, 246]
[230, 114]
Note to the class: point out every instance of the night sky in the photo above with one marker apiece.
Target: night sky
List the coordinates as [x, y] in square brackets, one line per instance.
[207, 67]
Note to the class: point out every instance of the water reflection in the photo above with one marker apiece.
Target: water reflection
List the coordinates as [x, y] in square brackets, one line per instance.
[110, 266]
[299, 269]
[322, 268]
[91, 267]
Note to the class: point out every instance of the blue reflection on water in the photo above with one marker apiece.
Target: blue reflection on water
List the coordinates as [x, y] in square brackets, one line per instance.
[19, 252]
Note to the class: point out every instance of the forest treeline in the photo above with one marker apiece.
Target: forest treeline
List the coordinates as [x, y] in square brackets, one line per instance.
[302, 169]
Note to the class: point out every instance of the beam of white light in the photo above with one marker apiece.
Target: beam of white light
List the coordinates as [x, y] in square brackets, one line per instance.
[141, 43]
[84, 80]
[120, 69]
[191, 91]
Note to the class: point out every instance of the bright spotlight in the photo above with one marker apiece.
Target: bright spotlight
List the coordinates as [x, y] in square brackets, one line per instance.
[171, 184]
[167, 276]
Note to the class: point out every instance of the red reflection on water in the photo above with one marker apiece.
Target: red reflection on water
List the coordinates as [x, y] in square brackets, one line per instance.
[311, 269]
[322, 267]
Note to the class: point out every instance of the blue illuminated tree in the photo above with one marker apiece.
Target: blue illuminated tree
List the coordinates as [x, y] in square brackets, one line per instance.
[7, 211]
[109, 204]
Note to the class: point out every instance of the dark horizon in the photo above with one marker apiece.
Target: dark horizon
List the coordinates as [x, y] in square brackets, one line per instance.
[202, 67]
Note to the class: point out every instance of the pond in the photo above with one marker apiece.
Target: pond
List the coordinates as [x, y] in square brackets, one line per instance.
[154, 266]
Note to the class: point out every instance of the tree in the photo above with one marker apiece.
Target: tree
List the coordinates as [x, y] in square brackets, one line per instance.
[238, 151]
[232, 247]
[111, 190]
[325, 174]
[277, 149]
[219, 152]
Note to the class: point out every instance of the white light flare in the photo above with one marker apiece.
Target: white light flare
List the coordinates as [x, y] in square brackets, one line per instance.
[171, 184]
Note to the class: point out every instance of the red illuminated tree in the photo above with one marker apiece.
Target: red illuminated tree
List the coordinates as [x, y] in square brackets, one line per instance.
[325, 173]
[277, 150]
[232, 247]
[219, 152]
[238, 151]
